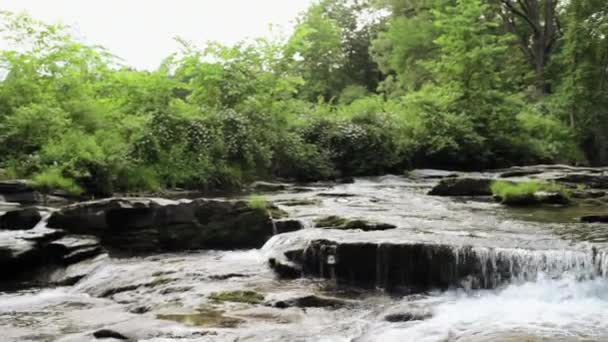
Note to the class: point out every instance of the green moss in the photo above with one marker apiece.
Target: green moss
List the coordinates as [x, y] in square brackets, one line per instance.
[527, 192]
[507, 191]
[204, 318]
[245, 296]
[330, 222]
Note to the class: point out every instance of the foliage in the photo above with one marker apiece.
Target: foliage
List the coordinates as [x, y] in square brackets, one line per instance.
[359, 88]
[52, 179]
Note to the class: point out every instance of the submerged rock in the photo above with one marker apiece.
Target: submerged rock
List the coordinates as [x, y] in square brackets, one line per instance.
[336, 222]
[21, 219]
[144, 225]
[107, 333]
[463, 187]
[595, 219]
[407, 316]
[309, 301]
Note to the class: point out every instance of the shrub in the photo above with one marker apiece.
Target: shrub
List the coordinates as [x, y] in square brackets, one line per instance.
[52, 179]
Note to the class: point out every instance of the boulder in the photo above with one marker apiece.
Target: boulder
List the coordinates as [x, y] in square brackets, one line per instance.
[21, 219]
[146, 225]
[24, 253]
[463, 187]
[19, 191]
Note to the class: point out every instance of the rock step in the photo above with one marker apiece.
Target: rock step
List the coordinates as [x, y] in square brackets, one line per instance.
[146, 225]
[418, 267]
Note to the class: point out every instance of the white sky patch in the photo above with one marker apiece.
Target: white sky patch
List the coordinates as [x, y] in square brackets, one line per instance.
[142, 31]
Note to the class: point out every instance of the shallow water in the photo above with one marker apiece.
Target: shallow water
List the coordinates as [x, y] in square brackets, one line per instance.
[166, 297]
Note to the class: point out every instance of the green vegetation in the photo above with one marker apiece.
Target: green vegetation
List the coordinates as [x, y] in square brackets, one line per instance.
[527, 192]
[52, 179]
[460, 84]
[261, 203]
[249, 297]
[257, 202]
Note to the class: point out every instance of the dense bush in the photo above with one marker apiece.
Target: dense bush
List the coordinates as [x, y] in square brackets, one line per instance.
[450, 96]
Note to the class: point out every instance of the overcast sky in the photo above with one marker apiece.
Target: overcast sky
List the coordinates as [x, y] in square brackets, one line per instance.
[142, 31]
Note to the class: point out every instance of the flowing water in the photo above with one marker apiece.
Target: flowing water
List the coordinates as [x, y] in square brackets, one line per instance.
[558, 291]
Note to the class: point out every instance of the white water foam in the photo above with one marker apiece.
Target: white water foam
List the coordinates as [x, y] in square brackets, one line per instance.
[564, 309]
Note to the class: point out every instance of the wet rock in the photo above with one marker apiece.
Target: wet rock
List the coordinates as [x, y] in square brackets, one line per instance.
[268, 186]
[407, 317]
[345, 180]
[19, 191]
[336, 222]
[595, 219]
[588, 194]
[309, 301]
[32, 254]
[598, 181]
[336, 194]
[145, 225]
[228, 276]
[520, 172]
[537, 198]
[430, 174]
[463, 187]
[414, 267]
[107, 333]
[299, 202]
[285, 269]
[286, 226]
[21, 219]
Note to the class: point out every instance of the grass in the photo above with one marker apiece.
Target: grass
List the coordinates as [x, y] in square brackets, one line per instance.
[249, 297]
[508, 191]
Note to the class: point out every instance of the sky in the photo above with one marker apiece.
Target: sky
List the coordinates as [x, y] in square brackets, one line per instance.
[141, 31]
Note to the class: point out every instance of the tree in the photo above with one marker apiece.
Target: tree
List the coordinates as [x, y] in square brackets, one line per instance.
[537, 25]
[582, 94]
